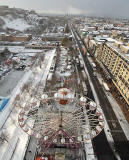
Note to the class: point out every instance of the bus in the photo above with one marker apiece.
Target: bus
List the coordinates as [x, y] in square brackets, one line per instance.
[83, 49]
[93, 66]
[84, 88]
[81, 64]
[79, 56]
[105, 86]
[84, 75]
[77, 61]
[88, 54]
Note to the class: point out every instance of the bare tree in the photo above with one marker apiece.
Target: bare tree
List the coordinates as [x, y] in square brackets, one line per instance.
[13, 121]
[42, 58]
[4, 137]
[26, 87]
[17, 98]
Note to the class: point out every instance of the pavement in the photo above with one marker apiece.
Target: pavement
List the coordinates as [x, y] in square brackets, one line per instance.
[94, 97]
[106, 127]
[88, 146]
[117, 110]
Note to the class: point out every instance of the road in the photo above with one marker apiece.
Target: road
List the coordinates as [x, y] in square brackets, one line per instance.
[121, 143]
[100, 144]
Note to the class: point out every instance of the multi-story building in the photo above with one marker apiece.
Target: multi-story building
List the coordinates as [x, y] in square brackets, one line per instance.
[16, 38]
[114, 59]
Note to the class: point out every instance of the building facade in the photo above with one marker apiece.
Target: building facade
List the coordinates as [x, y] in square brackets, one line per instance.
[116, 64]
[19, 38]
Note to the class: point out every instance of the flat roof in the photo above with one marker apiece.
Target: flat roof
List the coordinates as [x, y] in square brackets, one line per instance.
[126, 47]
[119, 51]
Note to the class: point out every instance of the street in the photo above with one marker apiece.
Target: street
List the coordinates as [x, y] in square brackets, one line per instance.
[121, 143]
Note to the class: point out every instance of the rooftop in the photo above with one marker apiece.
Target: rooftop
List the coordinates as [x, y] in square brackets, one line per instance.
[119, 51]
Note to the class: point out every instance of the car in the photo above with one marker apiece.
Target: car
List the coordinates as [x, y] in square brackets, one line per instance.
[32, 112]
[21, 68]
[68, 67]
[62, 71]
[51, 69]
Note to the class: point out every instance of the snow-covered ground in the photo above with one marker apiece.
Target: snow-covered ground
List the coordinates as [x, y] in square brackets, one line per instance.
[20, 49]
[18, 24]
[8, 83]
[17, 140]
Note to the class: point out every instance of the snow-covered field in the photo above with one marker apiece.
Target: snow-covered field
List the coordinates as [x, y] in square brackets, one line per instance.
[18, 24]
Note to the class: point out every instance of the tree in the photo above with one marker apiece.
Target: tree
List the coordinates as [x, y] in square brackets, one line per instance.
[66, 28]
[4, 137]
[65, 40]
[6, 50]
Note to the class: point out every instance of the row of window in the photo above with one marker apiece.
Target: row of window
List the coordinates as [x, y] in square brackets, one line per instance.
[124, 81]
[123, 89]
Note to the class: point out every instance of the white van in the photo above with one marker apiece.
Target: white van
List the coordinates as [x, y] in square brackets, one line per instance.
[49, 78]
[84, 89]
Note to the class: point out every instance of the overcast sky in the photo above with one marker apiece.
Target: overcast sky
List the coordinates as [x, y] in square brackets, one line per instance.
[115, 8]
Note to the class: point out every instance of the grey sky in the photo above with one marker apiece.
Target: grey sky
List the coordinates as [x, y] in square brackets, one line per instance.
[119, 8]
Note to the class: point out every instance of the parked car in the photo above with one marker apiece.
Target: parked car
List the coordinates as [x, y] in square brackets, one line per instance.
[52, 69]
[21, 68]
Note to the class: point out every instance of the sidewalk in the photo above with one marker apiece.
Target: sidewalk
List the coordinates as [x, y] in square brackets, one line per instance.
[117, 110]
[106, 128]
[89, 148]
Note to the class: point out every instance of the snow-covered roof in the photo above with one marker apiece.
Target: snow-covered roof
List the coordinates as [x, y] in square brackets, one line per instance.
[111, 40]
[100, 39]
[126, 47]
[119, 51]
[92, 41]
[118, 42]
